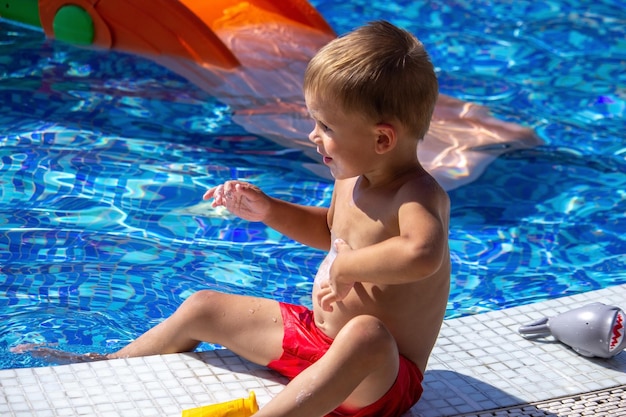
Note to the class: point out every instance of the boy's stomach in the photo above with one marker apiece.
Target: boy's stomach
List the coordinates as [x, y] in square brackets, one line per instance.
[363, 299]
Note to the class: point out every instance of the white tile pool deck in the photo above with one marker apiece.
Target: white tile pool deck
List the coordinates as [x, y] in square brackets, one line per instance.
[480, 366]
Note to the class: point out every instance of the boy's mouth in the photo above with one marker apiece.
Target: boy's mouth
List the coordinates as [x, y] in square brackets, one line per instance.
[325, 158]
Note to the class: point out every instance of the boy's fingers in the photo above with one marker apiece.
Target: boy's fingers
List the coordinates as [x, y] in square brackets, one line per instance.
[216, 193]
[327, 304]
[326, 298]
[208, 194]
[340, 244]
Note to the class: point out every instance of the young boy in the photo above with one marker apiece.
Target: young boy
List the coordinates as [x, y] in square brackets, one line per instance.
[380, 295]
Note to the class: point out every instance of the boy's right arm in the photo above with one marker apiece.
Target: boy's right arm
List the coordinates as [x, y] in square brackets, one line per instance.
[305, 224]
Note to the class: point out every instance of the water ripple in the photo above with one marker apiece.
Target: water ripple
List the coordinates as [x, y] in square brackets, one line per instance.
[104, 158]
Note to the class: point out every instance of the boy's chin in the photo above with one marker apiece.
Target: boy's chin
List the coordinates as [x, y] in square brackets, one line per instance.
[338, 175]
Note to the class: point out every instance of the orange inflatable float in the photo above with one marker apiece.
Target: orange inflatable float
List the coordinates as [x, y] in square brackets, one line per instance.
[178, 28]
[252, 55]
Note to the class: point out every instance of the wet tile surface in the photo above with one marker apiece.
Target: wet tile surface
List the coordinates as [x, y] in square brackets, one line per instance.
[479, 364]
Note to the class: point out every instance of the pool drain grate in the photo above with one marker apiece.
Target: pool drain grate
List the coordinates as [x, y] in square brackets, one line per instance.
[610, 402]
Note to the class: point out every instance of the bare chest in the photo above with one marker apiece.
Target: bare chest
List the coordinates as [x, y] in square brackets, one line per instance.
[361, 224]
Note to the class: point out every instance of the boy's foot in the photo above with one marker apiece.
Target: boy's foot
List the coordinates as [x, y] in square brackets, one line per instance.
[59, 357]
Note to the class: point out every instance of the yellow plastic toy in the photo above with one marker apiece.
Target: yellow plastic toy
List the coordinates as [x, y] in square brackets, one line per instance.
[241, 407]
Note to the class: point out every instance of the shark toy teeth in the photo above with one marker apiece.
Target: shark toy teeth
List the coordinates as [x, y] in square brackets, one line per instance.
[592, 330]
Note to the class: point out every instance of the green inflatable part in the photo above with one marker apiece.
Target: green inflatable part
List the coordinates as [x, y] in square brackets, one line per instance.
[22, 11]
[73, 24]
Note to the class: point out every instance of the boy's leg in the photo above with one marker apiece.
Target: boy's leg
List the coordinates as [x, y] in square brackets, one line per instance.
[249, 326]
[358, 369]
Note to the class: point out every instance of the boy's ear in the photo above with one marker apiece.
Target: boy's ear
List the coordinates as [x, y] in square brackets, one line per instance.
[386, 138]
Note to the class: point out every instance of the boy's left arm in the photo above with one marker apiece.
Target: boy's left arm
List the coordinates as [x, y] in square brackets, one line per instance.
[416, 253]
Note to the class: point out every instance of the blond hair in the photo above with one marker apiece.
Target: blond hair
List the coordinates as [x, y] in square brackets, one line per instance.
[380, 71]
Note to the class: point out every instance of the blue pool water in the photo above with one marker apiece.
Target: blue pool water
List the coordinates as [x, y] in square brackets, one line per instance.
[104, 158]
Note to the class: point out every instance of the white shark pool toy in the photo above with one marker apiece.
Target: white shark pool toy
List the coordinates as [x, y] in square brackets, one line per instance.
[593, 330]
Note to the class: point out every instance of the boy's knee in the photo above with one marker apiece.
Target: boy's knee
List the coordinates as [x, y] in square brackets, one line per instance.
[201, 302]
[200, 297]
[371, 333]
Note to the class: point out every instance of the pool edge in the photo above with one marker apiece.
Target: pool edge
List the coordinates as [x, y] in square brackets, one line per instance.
[480, 364]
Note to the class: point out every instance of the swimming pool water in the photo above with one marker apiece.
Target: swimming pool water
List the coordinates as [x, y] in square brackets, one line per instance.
[104, 158]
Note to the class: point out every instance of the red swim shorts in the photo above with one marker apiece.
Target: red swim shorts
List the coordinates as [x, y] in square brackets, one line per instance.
[304, 344]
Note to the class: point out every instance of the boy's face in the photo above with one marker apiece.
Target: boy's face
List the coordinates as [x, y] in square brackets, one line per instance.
[345, 141]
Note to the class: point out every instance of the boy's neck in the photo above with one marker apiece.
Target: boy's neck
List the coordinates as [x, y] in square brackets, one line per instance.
[391, 173]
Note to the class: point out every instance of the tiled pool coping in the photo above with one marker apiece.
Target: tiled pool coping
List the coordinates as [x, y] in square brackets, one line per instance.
[480, 364]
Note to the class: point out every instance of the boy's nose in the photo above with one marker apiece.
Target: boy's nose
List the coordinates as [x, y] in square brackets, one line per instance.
[313, 136]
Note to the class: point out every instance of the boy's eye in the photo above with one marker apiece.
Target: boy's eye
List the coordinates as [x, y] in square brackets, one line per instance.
[323, 126]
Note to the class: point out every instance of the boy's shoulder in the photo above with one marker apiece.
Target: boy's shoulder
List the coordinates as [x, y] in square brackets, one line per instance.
[420, 183]
[424, 190]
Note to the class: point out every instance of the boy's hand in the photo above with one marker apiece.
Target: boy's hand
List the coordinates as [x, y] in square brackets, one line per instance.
[241, 199]
[332, 291]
